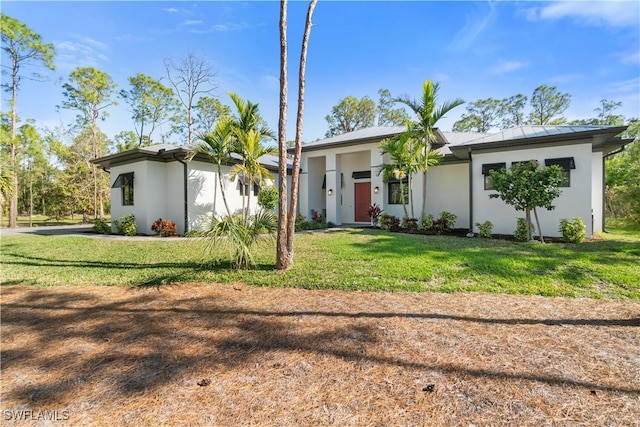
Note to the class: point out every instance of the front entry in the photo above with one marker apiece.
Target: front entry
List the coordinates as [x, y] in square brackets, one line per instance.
[362, 201]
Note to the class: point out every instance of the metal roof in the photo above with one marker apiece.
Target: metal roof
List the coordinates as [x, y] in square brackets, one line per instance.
[165, 153]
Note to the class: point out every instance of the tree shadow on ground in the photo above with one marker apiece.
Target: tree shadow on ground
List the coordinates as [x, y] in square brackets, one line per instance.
[145, 341]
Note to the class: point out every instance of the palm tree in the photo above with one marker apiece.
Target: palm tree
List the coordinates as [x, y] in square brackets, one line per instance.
[251, 149]
[218, 146]
[428, 115]
[399, 151]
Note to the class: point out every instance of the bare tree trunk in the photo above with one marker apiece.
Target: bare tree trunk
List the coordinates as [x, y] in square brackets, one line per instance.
[30, 196]
[528, 220]
[295, 173]
[13, 203]
[535, 213]
[404, 205]
[283, 260]
[94, 171]
[224, 196]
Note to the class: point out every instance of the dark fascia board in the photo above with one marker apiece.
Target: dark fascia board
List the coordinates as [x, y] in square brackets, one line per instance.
[164, 156]
[442, 140]
[461, 150]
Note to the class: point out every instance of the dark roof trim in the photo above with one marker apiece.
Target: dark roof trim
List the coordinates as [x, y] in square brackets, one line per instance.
[565, 163]
[123, 180]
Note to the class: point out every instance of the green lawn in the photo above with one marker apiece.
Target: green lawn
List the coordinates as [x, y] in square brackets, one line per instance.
[356, 259]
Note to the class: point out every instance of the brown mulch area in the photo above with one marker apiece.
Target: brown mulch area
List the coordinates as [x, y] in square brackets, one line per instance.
[201, 354]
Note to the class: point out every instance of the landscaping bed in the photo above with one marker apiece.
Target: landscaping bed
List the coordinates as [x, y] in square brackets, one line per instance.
[210, 354]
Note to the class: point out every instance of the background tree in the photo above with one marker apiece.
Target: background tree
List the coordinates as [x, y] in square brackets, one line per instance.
[387, 115]
[24, 48]
[512, 112]
[428, 113]
[191, 78]
[547, 105]
[481, 116]
[208, 111]
[33, 166]
[124, 140]
[91, 92]
[401, 153]
[152, 105]
[351, 114]
[526, 186]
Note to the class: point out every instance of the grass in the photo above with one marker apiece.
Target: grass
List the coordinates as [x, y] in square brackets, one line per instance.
[354, 259]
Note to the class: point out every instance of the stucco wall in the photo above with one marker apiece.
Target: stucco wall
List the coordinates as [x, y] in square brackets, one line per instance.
[447, 190]
[573, 201]
[140, 182]
[597, 191]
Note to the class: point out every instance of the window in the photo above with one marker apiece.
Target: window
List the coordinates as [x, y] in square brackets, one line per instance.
[397, 196]
[566, 163]
[488, 167]
[324, 182]
[125, 181]
[361, 175]
[243, 186]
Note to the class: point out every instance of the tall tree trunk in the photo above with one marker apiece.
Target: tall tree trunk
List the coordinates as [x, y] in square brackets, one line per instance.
[535, 213]
[410, 182]
[224, 196]
[94, 171]
[528, 220]
[30, 196]
[295, 173]
[404, 204]
[13, 203]
[283, 260]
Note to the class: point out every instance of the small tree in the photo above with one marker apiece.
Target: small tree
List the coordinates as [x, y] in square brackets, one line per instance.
[526, 186]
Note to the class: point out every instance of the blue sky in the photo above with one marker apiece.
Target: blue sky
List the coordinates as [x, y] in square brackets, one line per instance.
[474, 49]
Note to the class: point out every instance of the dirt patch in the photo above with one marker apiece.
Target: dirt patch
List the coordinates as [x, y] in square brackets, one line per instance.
[201, 354]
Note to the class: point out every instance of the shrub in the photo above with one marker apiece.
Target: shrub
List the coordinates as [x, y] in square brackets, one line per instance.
[164, 227]
[126, 225]
[268, 198]
[409, 224]
[426, 222]
[101, 226]
[573, 231]
[485, 229]
[389, 222]
[299, 220]
[317, 216]
[374, 212]
[521, 230]
[448, 219]
[194, 232]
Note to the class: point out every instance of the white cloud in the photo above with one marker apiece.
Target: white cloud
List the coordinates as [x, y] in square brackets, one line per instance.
[614, 13]
[503, 67]
[270, 82]
[229, 26]
[192, 22]
[629, 57]
[85, 52]
[171, 10]
[473, 28]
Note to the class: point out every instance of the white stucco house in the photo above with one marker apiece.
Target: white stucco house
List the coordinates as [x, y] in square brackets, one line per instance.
[158, 182]
[340, 175]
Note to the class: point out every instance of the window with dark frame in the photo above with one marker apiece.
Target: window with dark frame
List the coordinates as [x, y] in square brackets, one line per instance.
[487, 168]
[396, 195]
[125, 182]
[566, 163]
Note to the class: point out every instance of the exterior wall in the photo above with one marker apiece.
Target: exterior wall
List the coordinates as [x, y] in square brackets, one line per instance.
[140, 195]
[597, 178]
[447, 190]
[174, 190]
[573, 201]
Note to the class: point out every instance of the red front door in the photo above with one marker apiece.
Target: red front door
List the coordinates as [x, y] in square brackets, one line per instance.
[362, 201]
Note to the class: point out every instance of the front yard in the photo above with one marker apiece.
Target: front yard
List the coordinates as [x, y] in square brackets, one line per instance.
[355, 259]
[191, 342]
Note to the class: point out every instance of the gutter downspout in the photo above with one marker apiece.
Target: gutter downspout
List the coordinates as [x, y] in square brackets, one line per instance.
[604, 185]
[186, 202]
[470, 191]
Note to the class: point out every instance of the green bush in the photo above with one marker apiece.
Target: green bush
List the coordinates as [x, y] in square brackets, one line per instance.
[268, 198]
[485, 229]
[427, 222]
[448, 219]
[101, 226]
[126, 225]
[521, 230]
[389, 222]
[409, 224]
[573, 231]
